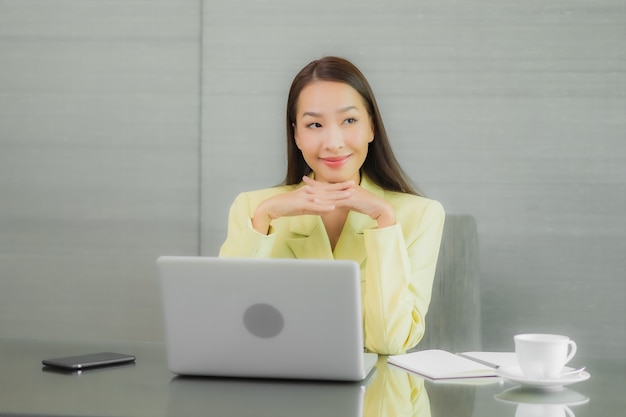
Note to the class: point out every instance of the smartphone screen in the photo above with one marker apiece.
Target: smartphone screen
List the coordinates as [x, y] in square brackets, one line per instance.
[89, 361]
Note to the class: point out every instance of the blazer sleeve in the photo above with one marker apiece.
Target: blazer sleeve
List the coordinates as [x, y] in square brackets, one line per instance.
[242, 241]
[399, 278]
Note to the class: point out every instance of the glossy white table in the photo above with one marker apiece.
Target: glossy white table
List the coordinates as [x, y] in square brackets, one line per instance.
[148, 389]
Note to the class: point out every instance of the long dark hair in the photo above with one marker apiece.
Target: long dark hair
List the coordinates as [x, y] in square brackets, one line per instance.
[380, 164]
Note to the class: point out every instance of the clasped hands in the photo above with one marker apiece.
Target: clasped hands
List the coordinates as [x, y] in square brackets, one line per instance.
[319, 198]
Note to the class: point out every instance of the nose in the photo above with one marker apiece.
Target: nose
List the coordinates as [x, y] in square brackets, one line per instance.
[334, 139]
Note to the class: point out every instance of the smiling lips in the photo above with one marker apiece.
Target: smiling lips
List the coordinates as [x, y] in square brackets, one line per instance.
[335, 161]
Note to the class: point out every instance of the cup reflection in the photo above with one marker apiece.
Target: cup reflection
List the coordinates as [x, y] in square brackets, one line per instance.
[543, 403]
[543, 410]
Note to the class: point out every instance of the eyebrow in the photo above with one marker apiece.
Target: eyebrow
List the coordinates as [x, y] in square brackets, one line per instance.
[339, 111]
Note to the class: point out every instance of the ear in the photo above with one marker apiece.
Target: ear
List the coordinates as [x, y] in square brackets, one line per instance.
[373, 131]
[295, 135]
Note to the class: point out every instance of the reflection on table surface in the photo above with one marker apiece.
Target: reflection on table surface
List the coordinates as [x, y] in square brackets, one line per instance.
[149, 389]
[538, 403]
[385, 392]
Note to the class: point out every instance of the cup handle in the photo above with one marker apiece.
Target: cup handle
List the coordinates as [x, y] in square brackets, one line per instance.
[568, 411]
[572, 351]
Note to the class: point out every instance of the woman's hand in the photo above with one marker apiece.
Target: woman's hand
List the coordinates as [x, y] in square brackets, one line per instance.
[314, 198]
[361, 201]
[320, 198]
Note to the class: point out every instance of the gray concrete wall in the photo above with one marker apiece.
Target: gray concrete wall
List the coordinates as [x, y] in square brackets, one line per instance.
[127, 128]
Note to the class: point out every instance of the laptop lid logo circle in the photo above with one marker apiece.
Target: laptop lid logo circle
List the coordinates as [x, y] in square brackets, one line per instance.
[263, 320]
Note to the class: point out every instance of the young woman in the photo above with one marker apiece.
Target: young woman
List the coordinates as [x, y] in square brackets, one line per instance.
[346, 197]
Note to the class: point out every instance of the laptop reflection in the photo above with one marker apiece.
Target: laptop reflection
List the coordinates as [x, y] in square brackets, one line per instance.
[195, 396]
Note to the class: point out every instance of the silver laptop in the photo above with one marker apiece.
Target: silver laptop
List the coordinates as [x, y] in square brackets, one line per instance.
[264, 318]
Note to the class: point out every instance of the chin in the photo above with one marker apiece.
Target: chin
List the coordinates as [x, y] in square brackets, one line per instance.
[334, 178]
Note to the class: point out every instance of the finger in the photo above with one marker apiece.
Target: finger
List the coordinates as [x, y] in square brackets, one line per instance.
[317, 207]
[324, 207]
[324, 202]
[330, 197]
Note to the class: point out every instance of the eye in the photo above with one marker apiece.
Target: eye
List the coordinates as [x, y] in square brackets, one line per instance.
[314, 125]
[350, 120]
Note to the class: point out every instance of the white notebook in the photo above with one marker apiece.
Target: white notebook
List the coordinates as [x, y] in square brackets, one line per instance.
[441, 364]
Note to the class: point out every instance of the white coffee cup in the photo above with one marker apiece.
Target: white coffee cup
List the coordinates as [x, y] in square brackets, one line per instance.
[543, 356]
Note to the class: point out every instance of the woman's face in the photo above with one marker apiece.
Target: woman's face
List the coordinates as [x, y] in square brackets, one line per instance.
[333, 130]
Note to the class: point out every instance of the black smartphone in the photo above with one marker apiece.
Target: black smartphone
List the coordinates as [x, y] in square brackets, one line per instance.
[91, 360]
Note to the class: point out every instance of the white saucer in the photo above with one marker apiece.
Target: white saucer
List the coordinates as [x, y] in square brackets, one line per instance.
[515, 374]
[524, 395]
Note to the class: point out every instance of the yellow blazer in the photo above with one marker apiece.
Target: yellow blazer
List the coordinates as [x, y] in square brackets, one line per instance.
[397, 262]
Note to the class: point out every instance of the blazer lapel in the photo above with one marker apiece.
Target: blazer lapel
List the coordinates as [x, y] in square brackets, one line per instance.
[309, 239]
[351, 244]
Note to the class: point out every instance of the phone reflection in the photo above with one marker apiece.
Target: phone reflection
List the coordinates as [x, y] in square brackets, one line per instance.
[385, 392]
[542, 403]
